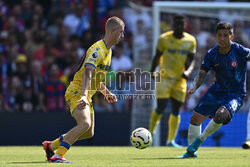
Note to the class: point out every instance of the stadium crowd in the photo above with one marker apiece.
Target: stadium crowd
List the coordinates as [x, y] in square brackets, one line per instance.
[43, 42]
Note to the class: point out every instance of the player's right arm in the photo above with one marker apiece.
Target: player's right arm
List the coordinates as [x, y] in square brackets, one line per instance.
[86, 81]
[198, 80]
[159, 51]
[205, 67]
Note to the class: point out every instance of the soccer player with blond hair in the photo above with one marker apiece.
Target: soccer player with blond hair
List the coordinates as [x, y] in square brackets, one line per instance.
[87, 80]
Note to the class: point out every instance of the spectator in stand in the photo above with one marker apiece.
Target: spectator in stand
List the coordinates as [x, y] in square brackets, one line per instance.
[49, 60]
[26, 101]
[36, 22]
[62, 37]
[128, 45]
[122, 65]
[34, 44]
[4, 68]
[70, 59]
[54, 91]
[139, 34]
[4, 75]
[62, 6]
[200, 34]
[27, 11]
[121, 62]
[78, 21]
[11, 29]
[38, 85]
[56, 23]
[47, 47]
[131, 17]
[76, 47]
[16, 12]
[22, 70]
[240, 36]
[14, 89]
[85, 39]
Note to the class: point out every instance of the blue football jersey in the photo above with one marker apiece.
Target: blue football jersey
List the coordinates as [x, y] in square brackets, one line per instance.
[230, 69]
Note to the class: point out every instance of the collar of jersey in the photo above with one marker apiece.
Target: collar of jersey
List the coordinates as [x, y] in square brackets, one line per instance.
[105, 44]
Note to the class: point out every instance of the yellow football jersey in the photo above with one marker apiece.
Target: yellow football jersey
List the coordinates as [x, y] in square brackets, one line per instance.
[175, 53]
[99, 57]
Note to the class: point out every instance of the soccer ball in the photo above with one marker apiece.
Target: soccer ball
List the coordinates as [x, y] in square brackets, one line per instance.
[141, 138]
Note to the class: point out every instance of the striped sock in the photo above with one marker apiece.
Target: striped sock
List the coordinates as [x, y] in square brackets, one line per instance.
[63, 148]
[56, 143]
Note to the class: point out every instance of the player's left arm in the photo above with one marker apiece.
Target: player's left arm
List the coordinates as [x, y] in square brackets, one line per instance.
[189, 65]
[110, 97]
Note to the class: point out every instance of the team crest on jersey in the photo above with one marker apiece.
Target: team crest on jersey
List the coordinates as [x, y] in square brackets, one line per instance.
[95, 55]
[234, 64]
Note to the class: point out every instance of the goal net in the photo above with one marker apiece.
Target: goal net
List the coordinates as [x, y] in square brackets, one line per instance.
[202, 18]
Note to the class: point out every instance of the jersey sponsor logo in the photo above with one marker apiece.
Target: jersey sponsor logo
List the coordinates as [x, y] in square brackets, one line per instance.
[95, 55]
[177, 51]
[104, 67]
[234, 63]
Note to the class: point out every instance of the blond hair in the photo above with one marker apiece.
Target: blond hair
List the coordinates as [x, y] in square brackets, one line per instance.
[113, 22]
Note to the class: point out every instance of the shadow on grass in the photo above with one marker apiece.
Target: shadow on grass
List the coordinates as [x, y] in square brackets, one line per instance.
[156, 158]
[29, 162]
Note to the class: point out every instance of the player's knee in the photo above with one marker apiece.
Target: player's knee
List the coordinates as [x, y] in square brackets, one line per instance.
[222, 115]
[84, 126]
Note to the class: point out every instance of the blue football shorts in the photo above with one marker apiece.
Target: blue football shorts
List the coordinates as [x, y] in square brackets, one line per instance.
[211, 101]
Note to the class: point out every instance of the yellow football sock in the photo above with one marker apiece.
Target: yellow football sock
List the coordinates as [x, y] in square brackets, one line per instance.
[173, 125]
[63, 148]
[154, 121]
[56, 143]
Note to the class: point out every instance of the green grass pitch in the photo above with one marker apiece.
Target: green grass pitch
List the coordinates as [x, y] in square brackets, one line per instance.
[32, 156]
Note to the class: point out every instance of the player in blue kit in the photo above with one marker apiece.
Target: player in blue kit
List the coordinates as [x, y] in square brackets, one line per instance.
[225, 96]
